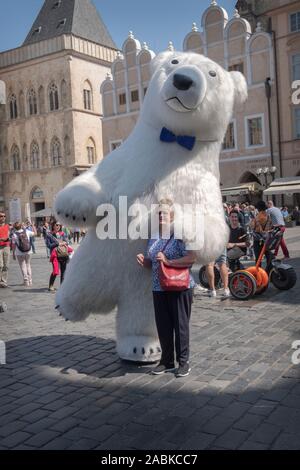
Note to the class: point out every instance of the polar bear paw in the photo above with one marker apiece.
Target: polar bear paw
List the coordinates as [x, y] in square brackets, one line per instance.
[139, 349]
[76, 208]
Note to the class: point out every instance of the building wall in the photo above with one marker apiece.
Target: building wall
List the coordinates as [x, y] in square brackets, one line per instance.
[288, 45]
[72, 65]
[123, 91]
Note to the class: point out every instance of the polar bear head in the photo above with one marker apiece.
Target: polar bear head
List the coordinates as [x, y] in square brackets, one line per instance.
[191, 94]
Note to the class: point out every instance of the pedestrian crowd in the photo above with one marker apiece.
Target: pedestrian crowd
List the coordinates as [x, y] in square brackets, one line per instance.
[18, 240]
[245, 223]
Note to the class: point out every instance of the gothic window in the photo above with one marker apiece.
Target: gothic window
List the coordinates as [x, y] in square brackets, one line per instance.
[35, 156]
[53, 97]
[32, 102]
[37, 193]
[13, 108]
[87, 96]
[91, 152]
[56, 152]
[15, 159]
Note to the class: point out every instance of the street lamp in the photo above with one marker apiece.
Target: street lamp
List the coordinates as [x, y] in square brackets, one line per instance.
[265, 172]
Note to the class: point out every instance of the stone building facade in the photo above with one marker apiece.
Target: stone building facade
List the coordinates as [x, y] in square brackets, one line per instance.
[282, 20]
[50, 130]
[250, 143]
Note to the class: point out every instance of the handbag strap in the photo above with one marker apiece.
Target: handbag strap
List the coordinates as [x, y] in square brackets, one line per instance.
[167, 243]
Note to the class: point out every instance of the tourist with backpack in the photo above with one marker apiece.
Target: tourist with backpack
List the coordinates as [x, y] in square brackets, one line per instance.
[22, 251]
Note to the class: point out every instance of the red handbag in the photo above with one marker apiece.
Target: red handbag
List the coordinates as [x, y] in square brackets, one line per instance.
[173, 279]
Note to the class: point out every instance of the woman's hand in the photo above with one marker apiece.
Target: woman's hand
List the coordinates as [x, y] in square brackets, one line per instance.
[144, 262]
[162, 257]
[140, 259]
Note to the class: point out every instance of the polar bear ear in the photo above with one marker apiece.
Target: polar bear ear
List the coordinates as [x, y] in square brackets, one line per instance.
[240, 87]
[158, 61]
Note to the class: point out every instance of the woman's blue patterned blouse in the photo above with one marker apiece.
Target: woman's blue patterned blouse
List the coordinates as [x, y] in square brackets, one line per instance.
[174, 250]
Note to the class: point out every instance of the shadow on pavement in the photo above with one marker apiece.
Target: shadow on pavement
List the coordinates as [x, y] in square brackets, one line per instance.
[74, 392]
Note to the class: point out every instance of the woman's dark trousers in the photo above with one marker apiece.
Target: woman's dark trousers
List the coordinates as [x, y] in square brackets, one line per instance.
[172, 315]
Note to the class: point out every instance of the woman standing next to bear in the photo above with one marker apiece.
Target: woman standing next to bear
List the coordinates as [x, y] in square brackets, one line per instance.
[172, 308]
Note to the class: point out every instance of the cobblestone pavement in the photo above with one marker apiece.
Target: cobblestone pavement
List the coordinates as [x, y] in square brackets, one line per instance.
[63, 386]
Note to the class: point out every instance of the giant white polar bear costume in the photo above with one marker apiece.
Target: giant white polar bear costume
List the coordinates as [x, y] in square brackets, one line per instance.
[189, 94]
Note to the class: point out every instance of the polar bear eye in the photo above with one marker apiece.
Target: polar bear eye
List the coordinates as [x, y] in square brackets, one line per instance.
[212, 73]
[175, 62]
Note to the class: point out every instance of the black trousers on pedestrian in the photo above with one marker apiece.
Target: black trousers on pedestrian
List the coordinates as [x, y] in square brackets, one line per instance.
[63, 266]
[172, 316]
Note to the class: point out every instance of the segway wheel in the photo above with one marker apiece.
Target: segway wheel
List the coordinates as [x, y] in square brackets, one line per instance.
[242, 285]
[203, 278]
[261, 278]
[283, 279]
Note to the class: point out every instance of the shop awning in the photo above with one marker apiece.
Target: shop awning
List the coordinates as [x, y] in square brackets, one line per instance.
[43, 213]
[241, 189]
[284, 186]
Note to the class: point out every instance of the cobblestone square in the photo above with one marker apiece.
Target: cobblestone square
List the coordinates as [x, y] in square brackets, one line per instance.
[64, 387]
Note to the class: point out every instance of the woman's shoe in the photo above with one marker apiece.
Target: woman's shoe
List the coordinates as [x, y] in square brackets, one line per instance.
[183, 370]
[162, 368]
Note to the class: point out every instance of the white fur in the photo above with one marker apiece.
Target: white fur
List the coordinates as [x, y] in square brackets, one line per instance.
[104, 274]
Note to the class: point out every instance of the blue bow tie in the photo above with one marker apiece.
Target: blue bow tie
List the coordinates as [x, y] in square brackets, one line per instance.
[185, 141]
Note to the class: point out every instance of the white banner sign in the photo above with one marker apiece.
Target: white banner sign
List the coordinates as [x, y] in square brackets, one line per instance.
[15, 210]
[27, 211]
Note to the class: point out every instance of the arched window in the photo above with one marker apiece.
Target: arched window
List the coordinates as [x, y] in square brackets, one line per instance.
[53, 97]
[32, 102]
[15, 159]
[35, 156]
[56, 152]
[91, 152]
[37, 193]
[87, 95]
[13, 108]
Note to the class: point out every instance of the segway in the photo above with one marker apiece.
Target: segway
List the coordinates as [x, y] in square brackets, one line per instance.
[203, 277]
[246, 283]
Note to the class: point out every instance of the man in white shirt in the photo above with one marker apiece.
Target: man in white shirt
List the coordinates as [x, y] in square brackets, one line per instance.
[278, 221]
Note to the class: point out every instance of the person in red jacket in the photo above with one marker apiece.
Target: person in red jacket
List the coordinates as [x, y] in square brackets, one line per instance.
[4, 250]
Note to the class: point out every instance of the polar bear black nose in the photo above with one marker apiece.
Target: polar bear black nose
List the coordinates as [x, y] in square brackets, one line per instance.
[182, 82]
